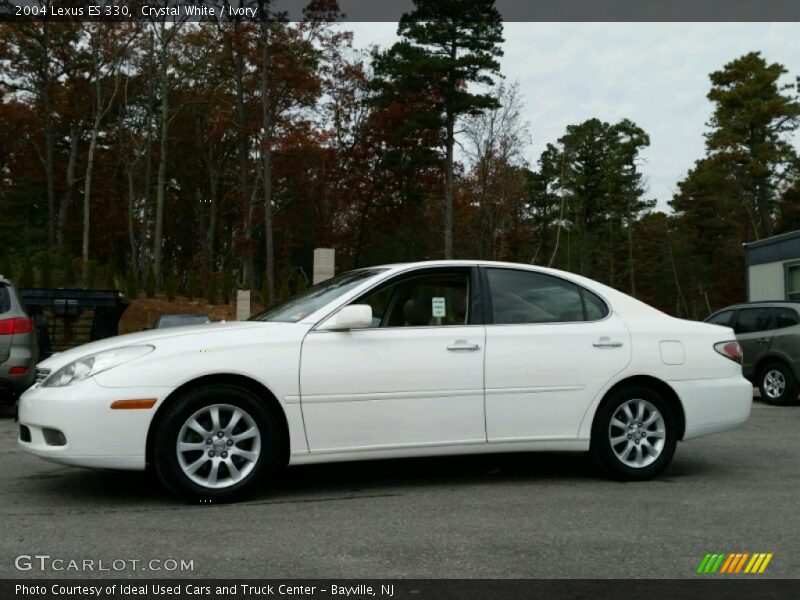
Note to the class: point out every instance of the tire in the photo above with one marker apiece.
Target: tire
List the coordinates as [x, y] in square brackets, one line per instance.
[244, 451]
[614, 434]
[778, 385]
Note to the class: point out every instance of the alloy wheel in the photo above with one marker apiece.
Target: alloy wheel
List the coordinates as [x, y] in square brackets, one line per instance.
[637, 433]
[774, 384]
[218, 446]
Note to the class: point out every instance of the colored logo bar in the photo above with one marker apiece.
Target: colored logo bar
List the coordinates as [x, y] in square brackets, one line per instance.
[734, 562]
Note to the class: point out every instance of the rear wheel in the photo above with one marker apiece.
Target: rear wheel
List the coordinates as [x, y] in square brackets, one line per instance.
[634, 434]
[778, 384]
[215, 444]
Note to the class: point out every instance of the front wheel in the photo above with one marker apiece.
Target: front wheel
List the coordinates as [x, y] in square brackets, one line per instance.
[634, 434]
[778, 385]
[215, 444]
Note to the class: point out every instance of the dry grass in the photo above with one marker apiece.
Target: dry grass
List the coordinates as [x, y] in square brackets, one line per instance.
[143, 311]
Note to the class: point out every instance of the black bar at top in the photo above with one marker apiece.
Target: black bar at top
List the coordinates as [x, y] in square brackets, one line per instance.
[391, 10]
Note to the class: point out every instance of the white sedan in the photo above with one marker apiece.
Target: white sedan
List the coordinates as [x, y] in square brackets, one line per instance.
[433, 358]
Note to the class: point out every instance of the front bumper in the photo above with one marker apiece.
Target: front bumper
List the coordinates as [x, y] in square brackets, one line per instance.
[96, 436]
[713, 405]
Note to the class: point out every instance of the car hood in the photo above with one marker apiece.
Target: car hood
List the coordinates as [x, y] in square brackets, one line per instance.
[153, 337]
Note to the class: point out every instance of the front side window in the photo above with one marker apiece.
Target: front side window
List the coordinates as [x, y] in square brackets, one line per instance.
[751, 320]
[434, 299]
[316, 297]
[520, 297]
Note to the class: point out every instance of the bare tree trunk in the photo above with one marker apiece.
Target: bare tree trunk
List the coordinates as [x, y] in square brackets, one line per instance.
[237, 60]
[162, 159]
[266, 156]
[87, 193]
[63, 207]
[131, 198]
[148, 166]
[448, 188]
[49, 137]
[630, 253]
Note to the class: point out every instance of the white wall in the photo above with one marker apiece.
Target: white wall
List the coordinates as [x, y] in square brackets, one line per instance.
[765, 281]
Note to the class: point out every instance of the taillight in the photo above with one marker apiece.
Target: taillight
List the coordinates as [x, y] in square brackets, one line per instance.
[730, 350]
[16, 325]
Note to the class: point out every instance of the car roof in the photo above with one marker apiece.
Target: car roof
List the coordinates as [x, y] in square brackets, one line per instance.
[756, 303]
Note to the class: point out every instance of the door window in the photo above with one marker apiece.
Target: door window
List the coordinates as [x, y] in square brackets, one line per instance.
[435, 299]
[751, 320]
[723, 318]
[528, 297]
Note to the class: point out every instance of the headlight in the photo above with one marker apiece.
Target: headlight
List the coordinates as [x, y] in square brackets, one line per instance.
[91, 365]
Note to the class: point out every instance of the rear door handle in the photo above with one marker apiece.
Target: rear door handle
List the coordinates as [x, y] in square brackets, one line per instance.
[463, 346]
[605, 342]
[763, 340]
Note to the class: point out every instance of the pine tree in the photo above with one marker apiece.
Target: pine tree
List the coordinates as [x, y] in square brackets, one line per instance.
[754, 119]
[447, 45]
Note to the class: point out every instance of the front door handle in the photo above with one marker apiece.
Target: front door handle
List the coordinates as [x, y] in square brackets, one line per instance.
[605, 342]
[463, 346]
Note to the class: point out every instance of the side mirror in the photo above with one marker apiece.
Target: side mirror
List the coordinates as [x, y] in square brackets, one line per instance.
[354, 316]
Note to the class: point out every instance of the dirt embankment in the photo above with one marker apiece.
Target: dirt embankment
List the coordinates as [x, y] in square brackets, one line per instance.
[143, 311]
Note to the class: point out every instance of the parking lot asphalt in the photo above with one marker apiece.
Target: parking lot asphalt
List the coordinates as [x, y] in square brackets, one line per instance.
[496, 516]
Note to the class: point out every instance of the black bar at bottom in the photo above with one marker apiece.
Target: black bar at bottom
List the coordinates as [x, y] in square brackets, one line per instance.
[733, 588]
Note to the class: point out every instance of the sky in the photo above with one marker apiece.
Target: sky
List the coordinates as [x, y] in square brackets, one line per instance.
[655, 74]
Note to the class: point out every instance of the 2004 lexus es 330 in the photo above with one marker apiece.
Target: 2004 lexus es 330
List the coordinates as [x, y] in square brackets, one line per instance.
[449, 357]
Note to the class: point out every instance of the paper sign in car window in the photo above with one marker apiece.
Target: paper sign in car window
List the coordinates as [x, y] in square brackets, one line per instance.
[437, 307]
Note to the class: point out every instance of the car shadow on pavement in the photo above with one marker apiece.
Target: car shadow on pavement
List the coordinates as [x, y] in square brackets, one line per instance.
[84, 489]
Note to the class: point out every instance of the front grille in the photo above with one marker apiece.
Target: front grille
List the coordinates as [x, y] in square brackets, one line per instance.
[42, 374]
[24, 433]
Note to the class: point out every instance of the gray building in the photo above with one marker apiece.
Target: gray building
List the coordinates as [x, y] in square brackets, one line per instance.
[773, 268]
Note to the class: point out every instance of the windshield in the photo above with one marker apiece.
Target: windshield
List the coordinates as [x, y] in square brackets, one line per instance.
[180, 320]
[315, 297]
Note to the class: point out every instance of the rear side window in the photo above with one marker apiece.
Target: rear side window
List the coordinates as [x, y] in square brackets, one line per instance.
[751, 320]
[785, 317]
[5, 299]
[596, 309]
[520, 297]
[723, 318]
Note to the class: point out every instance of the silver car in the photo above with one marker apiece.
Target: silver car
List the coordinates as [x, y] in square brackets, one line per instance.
[19, 350]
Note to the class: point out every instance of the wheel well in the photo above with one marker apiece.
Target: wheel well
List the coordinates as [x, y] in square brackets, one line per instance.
[660, 386]
[242, 381]
[767, 360]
